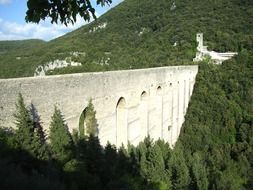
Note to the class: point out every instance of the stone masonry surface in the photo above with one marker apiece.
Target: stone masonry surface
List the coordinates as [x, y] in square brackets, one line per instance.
[129, 104]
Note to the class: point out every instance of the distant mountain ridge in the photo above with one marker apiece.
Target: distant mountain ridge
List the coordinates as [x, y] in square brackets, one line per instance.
[140, 34]
[14, 45]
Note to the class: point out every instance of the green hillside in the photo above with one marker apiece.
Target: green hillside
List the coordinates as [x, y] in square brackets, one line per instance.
[16, 57]
[18, 45]
[141, 34]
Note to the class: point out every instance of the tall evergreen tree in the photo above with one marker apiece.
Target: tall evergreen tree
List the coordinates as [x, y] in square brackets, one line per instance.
[111, 163]
[157, 172]
[37, 124]
[61, 142]
[39, 134]
[180, 173]
[199, 172]
[24, 124]
[26, 136]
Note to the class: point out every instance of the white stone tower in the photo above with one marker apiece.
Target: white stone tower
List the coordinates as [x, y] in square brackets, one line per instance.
[199, 38]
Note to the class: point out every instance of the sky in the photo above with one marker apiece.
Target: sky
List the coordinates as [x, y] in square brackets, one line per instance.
[14, 27]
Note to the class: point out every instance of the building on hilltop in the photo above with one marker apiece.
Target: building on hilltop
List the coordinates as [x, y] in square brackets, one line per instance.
[203, 52]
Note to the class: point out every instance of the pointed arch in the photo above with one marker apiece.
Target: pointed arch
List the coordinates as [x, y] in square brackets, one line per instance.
[143, 115]
[82, 126]
[159, 91]
[121, 122]
[159, 112]
[87, 121]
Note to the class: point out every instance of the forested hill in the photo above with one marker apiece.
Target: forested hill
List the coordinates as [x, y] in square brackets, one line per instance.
[143, 33]
[17, 45]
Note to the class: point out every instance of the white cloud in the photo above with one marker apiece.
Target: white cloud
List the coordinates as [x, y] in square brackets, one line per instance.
[44, 30]
[4, 2]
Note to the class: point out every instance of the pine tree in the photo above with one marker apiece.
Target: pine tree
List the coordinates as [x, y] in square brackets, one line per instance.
[111, 163]
[39, 134]
[157, 172]
[37, 124]
[26, 136]
[152, 164]
[199, 172]
[61, 142]
[24, 124]
[180, 173]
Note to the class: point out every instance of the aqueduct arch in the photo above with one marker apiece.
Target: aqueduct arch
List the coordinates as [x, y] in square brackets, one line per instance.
[159, 112]
[121, 120]
[143, 115]
[82, 125]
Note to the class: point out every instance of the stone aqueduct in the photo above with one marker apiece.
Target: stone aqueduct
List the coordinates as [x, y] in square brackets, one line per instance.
[129, 104]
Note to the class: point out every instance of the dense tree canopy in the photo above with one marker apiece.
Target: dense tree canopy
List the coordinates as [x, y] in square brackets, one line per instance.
[65, 11]
[214, 150]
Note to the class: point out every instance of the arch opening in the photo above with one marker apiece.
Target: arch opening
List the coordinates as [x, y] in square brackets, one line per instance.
[121, 103]
[143, 115]
[159, 91]
[144, 96]
[87, 122]
[121, 125]
[82, 126]
[159, 112]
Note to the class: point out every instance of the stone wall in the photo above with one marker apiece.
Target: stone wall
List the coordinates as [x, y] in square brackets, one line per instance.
[130, 104]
